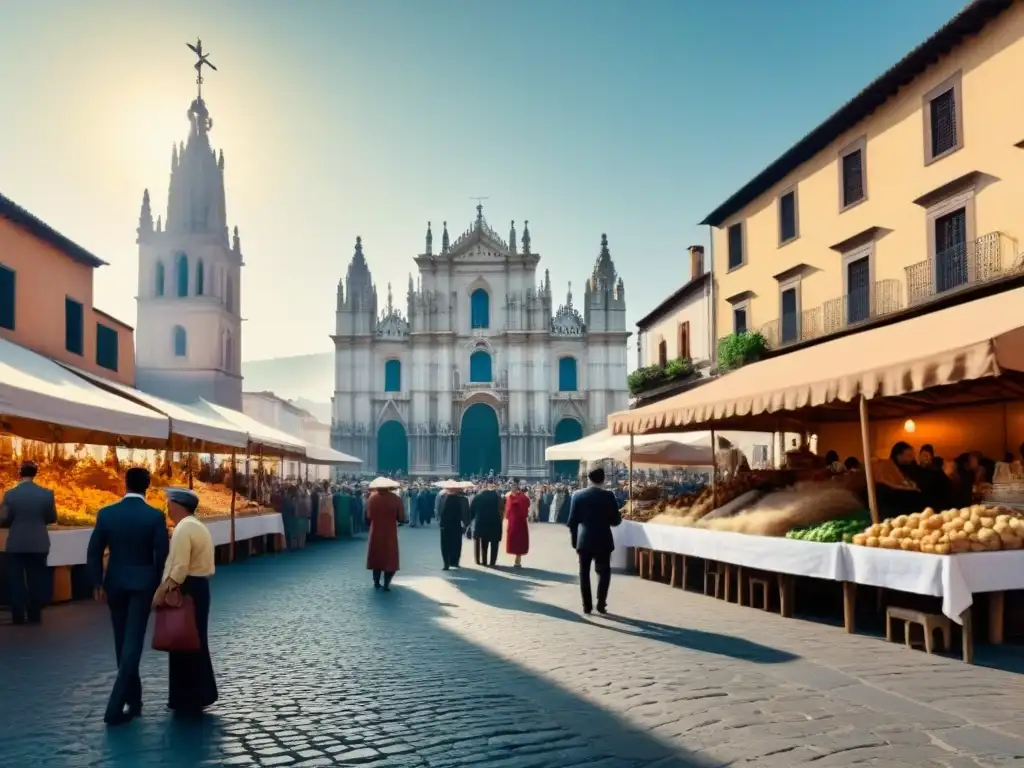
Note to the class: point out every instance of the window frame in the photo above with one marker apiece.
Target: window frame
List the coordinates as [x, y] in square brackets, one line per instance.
[472, 319]
[792, 284]
[490, 365]
[741, 225]
[14, 299]
[743, 305]
[181, 275]
[683, 340]
[796, 214]
[387, 364]
[174, 341]
[858, 145]
[662, 353]
[952, 83]
[100, 327]
[575, 373]
[862, 251]
[70, 301]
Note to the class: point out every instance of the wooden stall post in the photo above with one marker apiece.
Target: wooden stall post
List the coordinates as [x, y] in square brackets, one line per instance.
[869, 474]
[714, 470]
[188, 459]
[231, 557]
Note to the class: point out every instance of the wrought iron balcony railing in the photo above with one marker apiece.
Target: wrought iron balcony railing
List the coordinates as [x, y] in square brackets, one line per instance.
[792, 328]
[982, 260]
[860, 305]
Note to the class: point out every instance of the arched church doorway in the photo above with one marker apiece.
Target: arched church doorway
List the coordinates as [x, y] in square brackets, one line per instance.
[479, 441]
[566, 431]
[392, 448]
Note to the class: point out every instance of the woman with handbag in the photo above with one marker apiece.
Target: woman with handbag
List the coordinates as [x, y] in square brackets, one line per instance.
[186, 587]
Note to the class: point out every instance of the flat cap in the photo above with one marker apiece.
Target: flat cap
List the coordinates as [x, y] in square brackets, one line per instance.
[183, 496]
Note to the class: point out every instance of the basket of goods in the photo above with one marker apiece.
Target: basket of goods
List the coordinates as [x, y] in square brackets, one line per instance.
[972, 529]
[641, 511]
[1010, 491]
[842, 529]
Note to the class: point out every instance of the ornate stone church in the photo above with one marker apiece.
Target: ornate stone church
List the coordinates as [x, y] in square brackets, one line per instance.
[478, 374]
[188, 331]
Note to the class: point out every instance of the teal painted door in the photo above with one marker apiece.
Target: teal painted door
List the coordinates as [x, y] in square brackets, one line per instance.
[479, 441]
[566, 431]
[392, 448]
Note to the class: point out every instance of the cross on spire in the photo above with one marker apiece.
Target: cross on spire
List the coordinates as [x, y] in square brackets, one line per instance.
[202, 60]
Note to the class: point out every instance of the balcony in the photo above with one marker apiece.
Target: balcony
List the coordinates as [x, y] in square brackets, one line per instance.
[979, 261]
[862, 305]
[792, 329]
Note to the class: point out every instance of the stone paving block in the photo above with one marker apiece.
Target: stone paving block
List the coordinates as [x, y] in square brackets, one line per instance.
[500, 669]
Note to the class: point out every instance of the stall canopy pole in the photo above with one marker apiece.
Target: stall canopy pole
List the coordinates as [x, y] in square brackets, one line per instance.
[188, 458]
[631, 502]
[714, 470]
[233, 484]
[869, 474]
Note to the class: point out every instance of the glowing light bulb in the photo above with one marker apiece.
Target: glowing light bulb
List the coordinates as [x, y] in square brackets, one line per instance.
[909, 426]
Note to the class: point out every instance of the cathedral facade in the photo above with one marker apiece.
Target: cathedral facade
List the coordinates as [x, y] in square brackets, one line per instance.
[188, 331]
[480, 373]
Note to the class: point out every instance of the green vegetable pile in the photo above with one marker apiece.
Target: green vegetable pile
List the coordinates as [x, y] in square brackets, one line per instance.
[840, 529]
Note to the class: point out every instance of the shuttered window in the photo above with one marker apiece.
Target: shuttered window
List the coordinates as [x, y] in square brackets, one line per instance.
[106, 347]
[74, 326]
[7, 283]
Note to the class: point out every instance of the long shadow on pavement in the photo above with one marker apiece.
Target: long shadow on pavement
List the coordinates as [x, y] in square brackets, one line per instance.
[314, 667]
[509, 593]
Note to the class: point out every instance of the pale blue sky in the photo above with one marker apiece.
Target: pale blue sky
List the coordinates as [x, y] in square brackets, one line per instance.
[342, 117]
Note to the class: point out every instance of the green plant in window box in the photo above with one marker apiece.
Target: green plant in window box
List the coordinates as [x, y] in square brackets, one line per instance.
[738, 349]
[650, 376]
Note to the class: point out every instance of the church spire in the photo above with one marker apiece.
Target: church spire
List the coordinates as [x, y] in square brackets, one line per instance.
[430, 241]
[512, 236]
[526, 237]
[604, 276]
[444, 239]
[145, 218]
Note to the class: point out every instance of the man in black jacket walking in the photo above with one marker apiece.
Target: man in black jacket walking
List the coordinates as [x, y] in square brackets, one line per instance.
[593, 512]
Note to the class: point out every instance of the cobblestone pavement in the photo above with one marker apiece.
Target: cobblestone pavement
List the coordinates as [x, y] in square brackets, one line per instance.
[499, 669]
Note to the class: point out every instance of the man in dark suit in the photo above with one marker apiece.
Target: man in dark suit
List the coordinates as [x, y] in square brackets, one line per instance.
[136, 535]
[593, 512]
[27, 509]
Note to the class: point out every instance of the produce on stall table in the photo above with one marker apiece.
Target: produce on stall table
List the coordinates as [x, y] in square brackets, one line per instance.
[803, 504]
[83, 485]
[978, 528]
[832, 531]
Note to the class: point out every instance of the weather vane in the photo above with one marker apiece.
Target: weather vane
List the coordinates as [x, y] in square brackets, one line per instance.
[202, 60]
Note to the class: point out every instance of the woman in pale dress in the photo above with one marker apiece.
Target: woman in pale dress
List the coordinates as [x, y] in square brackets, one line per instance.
[534, 494]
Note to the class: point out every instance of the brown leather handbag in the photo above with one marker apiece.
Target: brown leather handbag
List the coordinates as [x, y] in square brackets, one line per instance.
[176, 630]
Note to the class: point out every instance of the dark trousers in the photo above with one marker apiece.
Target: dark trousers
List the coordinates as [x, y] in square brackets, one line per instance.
[28, 582]
[192, 685]
[129, 614]
[451, 546]
[388, 576]
[603, 565]
[486, 552]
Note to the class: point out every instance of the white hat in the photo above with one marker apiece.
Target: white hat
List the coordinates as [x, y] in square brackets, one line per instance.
[383, 483]
[446, 485]
[464, 485]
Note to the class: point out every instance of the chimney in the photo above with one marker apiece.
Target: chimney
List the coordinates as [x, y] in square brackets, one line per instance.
[696, 261]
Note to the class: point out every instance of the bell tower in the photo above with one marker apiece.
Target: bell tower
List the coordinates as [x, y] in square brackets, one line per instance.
[189, 327]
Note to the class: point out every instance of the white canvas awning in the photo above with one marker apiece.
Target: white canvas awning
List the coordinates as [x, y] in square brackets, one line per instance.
[42, 400]
[675, 449]
[191, 422]
[272, 441]
[320, 454]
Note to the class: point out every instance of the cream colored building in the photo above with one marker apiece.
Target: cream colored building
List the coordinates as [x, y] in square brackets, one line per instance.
[680, 326]
[911, 196]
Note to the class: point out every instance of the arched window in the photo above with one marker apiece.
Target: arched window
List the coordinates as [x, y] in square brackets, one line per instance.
[160, 278]
[480, 309]
[180, 342]
[229, 294]
[182, 274]
[567, 381]
[200, 274]
[480, 367]
[393, 376]
[229, 353]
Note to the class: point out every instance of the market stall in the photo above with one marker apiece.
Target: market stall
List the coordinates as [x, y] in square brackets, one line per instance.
[963, 355]
[666, 449]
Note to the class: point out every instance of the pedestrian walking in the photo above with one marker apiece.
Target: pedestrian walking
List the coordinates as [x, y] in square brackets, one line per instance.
[135, 535]
[592, 515]
[453, 517]
[517, 511]
[26, 510]
[192, 685]
[485, 511]
[384, 511]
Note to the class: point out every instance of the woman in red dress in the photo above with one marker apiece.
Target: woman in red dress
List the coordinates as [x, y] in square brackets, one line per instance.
[384, 511]
[517, 512]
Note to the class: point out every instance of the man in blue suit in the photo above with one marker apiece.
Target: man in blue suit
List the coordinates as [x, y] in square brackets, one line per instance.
[593, 512]
[136, 536]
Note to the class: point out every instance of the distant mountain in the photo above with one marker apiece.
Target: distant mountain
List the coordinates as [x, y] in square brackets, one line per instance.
[304, 377]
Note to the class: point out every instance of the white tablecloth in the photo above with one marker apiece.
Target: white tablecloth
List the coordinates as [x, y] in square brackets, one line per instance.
[954, 578]
[68, 546]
